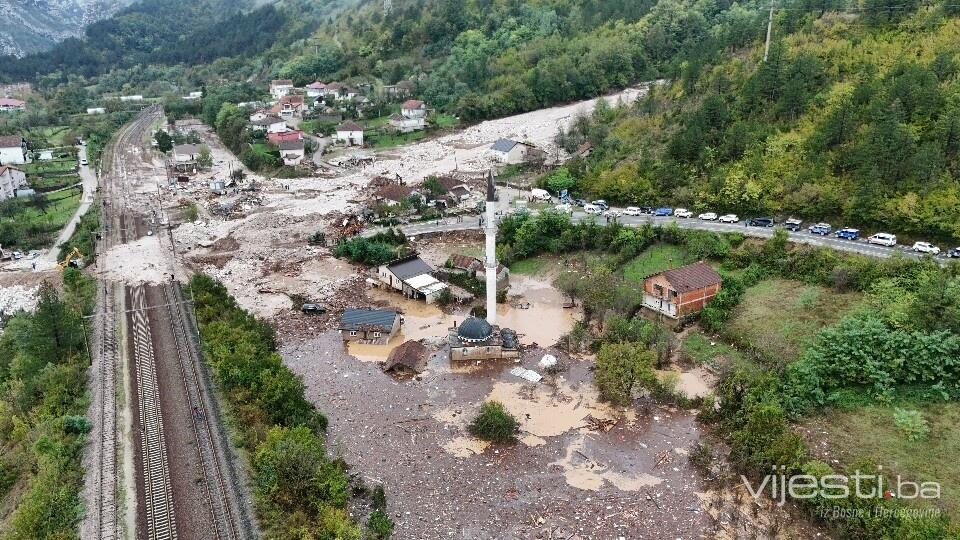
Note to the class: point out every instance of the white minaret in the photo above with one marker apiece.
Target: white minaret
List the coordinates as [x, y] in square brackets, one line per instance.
[491, 259]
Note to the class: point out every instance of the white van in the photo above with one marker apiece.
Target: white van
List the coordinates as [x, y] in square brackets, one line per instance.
[540, 194]
[883, 239]
[592, 209]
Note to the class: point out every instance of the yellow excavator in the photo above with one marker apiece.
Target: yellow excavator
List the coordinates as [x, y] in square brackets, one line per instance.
[72, 259]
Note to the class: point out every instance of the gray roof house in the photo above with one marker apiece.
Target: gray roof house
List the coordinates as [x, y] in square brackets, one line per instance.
[369, 325]
[413, 277]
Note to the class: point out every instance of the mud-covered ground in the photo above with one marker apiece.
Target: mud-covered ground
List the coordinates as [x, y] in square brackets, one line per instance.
[566, 476]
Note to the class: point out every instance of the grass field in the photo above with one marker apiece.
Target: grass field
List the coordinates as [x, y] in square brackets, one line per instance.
[50, 183]
[702, 350]
[529, 267]
[870, 433]
[656, 259]
[24, 226]
[55, 166]
[779, 318]
[381, 141]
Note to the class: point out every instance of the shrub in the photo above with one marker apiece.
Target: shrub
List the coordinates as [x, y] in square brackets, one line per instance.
[912, 423]
[379, 525]
[494, 424]
[621, 367]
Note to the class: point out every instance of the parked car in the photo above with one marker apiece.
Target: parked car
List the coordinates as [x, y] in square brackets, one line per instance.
[17, 255]
[822, 229]
[602, 204]
[682, 213]
[926, 247]
[847, 233]
[612, 213]
[313, 309]
[883, 239]
[708, 216]
[592, 209]
[632, 211]
[728, 218]
[954, 253]
[580, 202]
[760, 222]
[792, 224]
[646, 209]
[84, 162]
[663, 212]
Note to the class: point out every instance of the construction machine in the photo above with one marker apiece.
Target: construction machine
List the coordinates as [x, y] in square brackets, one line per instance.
[74, 258]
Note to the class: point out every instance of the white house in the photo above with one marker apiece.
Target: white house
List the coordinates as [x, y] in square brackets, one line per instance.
[11, 179]
[412, 276]
[333, 90]
[193, 95]
[510, 152]
[96, 110]
[280, 88]
[414, 108]
[292, 152]
[315, 89]
[186, 153]
[12, 105]
[350, 133]
[13, 150]
[136, 97]
[407, 124]
[270, 124]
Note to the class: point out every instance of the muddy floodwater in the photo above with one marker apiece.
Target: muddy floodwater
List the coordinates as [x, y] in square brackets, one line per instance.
[564, 477]
[534, 309]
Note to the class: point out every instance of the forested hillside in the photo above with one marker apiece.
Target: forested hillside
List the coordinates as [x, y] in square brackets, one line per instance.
[483, 59]
[36, 25]
[854, 116]
[168, 32]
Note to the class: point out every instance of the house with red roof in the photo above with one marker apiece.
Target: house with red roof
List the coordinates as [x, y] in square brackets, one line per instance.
[12, 105]
[682, 291]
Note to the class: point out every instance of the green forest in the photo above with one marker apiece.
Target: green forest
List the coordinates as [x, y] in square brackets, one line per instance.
[856, 120]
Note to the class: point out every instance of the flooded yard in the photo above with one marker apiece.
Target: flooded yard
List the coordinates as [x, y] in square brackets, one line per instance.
[565, 477]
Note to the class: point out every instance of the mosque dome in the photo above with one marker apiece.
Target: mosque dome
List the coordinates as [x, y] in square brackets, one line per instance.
[475, 329]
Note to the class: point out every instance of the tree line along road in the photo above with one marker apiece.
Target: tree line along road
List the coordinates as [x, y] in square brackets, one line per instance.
[800, 237]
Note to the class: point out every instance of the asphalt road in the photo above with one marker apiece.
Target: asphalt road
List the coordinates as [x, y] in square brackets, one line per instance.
[803, 237]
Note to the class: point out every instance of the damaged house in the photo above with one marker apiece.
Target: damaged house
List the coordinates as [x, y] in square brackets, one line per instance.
[474, 267]
[375, 326]
[413, 277]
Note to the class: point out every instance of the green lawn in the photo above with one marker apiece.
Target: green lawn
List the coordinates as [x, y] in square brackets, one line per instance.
[703, 350]
[383, 140]
[870, 433]
[444, 121]
[529, 267]
[55, 166]
[779, 318]
[24, 226]
[656, 259]
[50, 183]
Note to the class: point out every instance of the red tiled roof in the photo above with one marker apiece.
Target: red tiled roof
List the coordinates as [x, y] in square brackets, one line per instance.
[692, 277]
[5, 168]
[11, 141]
[412, 104]
[349, 126]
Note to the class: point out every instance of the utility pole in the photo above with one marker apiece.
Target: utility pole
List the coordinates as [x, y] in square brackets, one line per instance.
[766, 48]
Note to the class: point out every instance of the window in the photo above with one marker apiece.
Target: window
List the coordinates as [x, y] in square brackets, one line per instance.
[353, 332]
[673, 293]
[376, 334]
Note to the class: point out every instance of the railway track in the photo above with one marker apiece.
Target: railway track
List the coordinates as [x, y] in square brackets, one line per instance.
[158, 491]
[107, 525]
[212, 461]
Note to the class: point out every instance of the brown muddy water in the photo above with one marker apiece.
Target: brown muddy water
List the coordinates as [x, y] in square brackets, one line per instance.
[562, 479]
[543, 322]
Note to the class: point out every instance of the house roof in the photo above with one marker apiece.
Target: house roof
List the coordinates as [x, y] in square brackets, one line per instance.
[186, 149]
[334, 86]
[394, 192]
[268, 121]
[449, 183]
[465, 262]
[295, 99]
[409, 267]
[692, 277]
[5, 168]
[504, 145]
[368, 319]
[291, 145]
[316, 85]
[281, 82]
[11, 141]
[349, 126]
[406, 85]
[412, 104]
[411, 355]
[10, 102]
[426, 284]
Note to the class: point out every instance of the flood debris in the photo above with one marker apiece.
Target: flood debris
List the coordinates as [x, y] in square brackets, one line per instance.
[408, 359]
